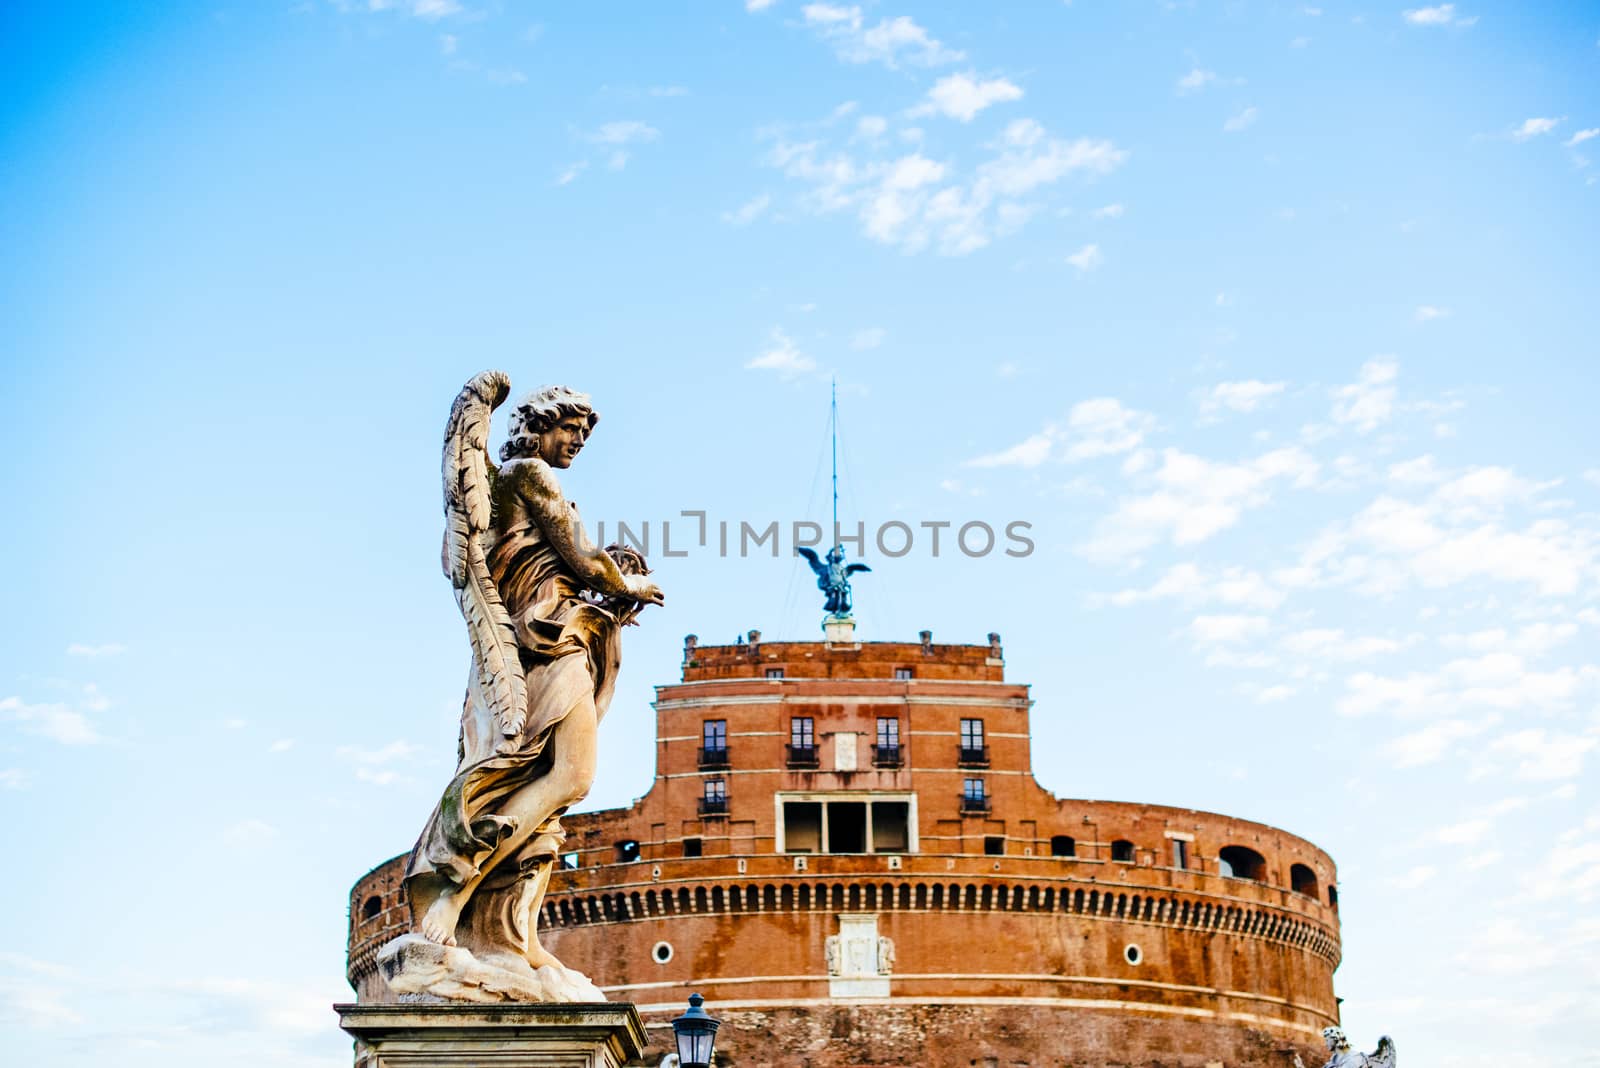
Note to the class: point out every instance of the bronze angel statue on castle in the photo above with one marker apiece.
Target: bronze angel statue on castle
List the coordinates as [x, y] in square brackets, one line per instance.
[1340, 1055]
[544, 609]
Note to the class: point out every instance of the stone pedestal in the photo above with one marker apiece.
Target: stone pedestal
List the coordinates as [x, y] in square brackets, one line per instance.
[839, 630]
[604, 1035]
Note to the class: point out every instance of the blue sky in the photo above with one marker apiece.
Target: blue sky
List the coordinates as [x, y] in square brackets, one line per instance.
[1275, 321]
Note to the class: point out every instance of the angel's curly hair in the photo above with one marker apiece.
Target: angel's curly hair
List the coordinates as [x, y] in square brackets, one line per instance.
[1340, 1041]
[538, 412]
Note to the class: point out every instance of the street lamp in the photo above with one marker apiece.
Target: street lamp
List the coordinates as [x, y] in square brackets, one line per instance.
[695, 1033]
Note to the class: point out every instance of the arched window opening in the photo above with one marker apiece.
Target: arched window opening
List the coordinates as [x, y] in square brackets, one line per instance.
[1122, 851]
[1063, 845]
[373, 906]
[1302, 880]
[1241, 862]
[627, 851]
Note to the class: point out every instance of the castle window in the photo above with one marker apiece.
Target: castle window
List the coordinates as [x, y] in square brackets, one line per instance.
[973, 796]
[886, 753]
[691, 847]
[847, 827]
[1333, 898]
[903, 674]
[802, 741]
[1239, 862]
[1302, 880]
[1063, 845]
[994, 845]
[569, 861]
[774, 672]
[370, 910]
[802, 827]
[891, 832]
[1132, 953]
[1180, 853]
[714, 743]
[627, 851]
[972, 751]
[1122, 851]
[714, 797]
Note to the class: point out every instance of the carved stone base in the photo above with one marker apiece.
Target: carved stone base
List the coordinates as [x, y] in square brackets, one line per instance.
[502, 1036]
[423, 972]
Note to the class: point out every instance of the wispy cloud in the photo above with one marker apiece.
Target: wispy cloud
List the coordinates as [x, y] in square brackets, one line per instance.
[963, 96]
[57, 722]
[1243, 396]
[1426, 313]
[625, 132]
[1086, 258]
[1532, 128]
[782, 356]
[748, 212]
[1440, 15]
[1242, 121]
[1102, 426]
[869, 338]
[105, 649]
[1196, 80]
[1368, 402]
[890, 41]
[1581, 136]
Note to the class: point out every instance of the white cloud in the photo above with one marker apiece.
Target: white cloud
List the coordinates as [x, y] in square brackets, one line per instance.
[249, 834]
[871, 127]
[1369, 401]
[1194, 499]
[13, 779]
[447, 44]
[1272, 694]
[748, 212]
[1532, 128]
[784, 357]
[1086, 258]
[383, 777]
[1110, 211]
[1543, 756]
[1413, 878]
[1467, 832]
[433, 10]
[1189, 584]
[1430, 743]
[869, 338]
[1428, 312]
[106, 649]
[1101, 426]
[571, 172]
[890, 42]
[53, 721]
[625, 132]
[1580, 137]
[1196, 80]
[1441, 15]
[282, 745]
[396, 750]
[1242, 121]
[962, 96]
[1332, 643]
[1243, 396]
[1226, 629]
[757, 5]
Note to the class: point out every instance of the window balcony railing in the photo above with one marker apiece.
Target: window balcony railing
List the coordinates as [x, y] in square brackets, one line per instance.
[713, 806]
[886, 756]
[802, 756]
[714, 756]
[973, 756]
[974, 806]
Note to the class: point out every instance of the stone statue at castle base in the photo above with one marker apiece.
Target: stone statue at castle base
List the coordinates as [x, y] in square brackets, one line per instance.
[544, 610]
[1340, 1055]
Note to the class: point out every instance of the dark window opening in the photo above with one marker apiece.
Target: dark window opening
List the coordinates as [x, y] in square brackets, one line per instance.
[1122, 851]
[1302, 880]
[886, 753]
[802, 827]
[774, 673]
[714, 797]
[1180, 853]
[691, 847]
[1063, 845]
[891, 826]
[994, 845]
[1240, 862]
[973, 797]
[370, 910]
[902, 673]
[714, 743]
[847, 827]
[1333, 897]
[802, 740]
[627, 851]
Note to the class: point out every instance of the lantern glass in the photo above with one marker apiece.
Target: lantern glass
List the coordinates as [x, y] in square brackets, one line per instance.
[695, 1032]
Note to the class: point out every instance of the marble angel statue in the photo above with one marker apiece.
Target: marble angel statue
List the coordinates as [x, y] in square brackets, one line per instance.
[544, 609]
[1340, 1055]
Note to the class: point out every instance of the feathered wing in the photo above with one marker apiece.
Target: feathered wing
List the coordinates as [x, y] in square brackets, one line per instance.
[1384, 1058]
[811, 558]
[468, 508]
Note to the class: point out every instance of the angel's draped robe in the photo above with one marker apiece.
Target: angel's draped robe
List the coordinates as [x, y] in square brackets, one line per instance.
[570, 649]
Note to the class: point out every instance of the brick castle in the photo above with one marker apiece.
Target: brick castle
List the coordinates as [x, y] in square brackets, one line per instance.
[845, 850]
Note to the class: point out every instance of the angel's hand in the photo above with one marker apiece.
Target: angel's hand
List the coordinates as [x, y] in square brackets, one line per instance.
[512, 729]
[642, 589]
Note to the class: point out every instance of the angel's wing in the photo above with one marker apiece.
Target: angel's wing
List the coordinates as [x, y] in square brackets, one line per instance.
[1384, 1058]
[811, 558]
[468, 508]
[853, 568]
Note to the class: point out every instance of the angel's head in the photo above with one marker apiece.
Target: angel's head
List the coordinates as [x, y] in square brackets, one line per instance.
[1335, 1039]
[551, 424]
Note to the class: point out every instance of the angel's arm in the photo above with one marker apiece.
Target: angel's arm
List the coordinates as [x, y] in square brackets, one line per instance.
[538, 487]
